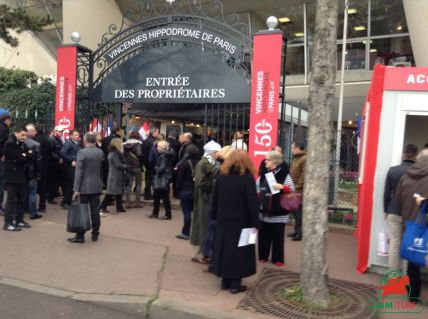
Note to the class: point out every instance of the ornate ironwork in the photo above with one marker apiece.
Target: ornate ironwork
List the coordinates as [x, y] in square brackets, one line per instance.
[213, 24]
[148, 9]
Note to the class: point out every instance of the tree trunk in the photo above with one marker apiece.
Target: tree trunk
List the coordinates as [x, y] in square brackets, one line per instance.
[314, 276]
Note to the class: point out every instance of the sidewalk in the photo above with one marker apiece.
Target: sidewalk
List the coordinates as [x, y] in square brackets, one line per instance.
[139, 261]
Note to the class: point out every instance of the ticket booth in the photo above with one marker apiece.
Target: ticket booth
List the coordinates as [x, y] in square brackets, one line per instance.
[395, 114]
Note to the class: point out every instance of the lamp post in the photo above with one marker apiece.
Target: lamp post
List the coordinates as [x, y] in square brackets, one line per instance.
[339, 116]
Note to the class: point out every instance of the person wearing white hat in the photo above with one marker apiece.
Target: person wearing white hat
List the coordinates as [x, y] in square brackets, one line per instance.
[205, 172]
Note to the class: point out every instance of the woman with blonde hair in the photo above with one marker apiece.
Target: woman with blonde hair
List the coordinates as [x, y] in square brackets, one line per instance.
[116, 179]
[273, 217]
[235, 208]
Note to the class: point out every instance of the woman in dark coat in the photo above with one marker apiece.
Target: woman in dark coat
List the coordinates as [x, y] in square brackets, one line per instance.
[235, 207]
[116, 176]
[162, 179]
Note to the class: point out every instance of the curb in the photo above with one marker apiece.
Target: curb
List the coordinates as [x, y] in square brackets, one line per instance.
[156, 309]
[161, 309]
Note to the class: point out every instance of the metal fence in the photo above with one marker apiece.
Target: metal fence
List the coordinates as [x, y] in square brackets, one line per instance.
[47, 121]
[343, 199]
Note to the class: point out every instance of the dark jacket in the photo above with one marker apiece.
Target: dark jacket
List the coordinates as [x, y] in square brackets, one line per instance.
[46, 151]
[69, 151]
[116, 173]
[87, 179]
[56, 150]
[414, 181]
[182, 155]
[133, 153]
[16, 161]
[393, 177]
[235, 207]
[153, 156]
[35, 160]
[4, 135]
[164, 165]
[175, 146]
[147, 146]
[185, 176]
[268, 203]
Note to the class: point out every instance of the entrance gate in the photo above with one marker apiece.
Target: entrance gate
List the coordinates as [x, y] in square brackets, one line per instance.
[170, 61]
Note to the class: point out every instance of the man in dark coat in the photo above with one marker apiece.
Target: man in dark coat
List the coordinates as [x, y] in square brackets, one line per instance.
[391, 208]
[55, 173]
[69, 155]
[34, 170]
[414, 181]
[187, 139]
[5, 122]
[88, 184]
[149, 167]
[46, 151]
[174, 145]
[16, 161]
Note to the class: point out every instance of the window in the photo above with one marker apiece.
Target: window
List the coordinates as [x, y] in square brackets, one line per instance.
[357, 19]
[387, 17]
[391, 51]
[295, 60]
[355, 56]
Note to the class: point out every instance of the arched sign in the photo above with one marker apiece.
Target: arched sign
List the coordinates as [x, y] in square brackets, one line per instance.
[174, 59]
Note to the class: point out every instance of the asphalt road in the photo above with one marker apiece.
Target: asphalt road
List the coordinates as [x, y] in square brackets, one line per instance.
[16, 303]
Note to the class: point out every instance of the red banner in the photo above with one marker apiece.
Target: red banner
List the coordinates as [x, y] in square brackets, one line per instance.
[266, 69]
[65, 107]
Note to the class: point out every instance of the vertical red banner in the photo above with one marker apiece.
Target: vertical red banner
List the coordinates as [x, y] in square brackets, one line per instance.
[266, 71]
[65, 107]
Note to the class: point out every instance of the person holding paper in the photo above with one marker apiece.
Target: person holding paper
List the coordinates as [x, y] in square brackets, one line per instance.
[235, 209]
[270, 184]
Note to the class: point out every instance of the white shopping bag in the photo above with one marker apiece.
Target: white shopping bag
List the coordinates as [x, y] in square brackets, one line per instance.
[383, 241]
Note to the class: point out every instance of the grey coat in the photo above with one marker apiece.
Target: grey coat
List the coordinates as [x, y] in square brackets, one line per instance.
[87, 178]
[116, 166]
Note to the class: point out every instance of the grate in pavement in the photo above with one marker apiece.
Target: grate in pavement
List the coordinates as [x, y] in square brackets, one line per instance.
[264, 297]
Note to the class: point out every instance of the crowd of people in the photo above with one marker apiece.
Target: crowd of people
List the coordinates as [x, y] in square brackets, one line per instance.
[406, 188]
[216, 186]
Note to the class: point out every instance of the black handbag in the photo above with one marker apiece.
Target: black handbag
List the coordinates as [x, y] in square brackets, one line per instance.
[78, 217]
[160, 182]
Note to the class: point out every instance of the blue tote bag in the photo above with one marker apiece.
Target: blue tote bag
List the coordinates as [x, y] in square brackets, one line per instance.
[414, 246]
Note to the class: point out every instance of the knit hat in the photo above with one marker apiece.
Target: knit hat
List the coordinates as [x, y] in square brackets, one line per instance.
[212, 147]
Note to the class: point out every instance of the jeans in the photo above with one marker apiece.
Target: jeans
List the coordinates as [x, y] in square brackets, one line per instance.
[148, 182]
[94, 202]
[42, 188]
[68, 184]
[136, 174]
[298, 220]
[32, 196]
[395, 232]
[186, 199]
[1, 182]
[16, 196]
